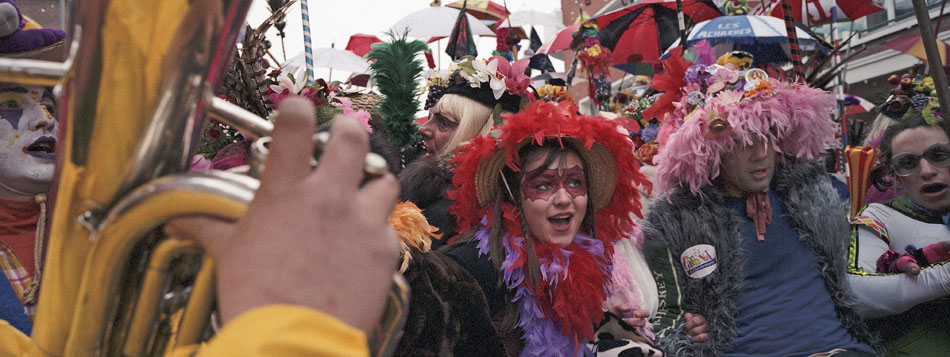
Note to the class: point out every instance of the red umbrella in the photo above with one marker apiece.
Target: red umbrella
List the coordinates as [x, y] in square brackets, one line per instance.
[359, 43]
[820, 11]
[640, 33]
[561, 40]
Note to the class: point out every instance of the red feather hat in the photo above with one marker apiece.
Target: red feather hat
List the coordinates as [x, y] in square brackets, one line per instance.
[606, 151]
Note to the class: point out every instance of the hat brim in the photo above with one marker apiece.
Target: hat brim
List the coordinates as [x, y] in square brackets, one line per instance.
[600, 164]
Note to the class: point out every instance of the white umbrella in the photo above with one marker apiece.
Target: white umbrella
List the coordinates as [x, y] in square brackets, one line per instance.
[532, 17]
[339, 59]
[436, 21]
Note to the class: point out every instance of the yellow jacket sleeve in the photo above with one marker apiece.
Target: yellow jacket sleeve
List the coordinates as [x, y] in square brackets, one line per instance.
[12, 341]
[283, 330]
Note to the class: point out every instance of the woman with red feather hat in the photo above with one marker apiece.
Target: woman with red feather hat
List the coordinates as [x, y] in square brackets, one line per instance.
[541, 200]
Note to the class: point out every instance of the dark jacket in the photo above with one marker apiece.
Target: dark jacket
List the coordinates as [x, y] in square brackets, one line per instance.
[447, 313]
[685, 220]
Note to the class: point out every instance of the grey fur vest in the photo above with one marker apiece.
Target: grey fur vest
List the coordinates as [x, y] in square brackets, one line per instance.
[685, 220]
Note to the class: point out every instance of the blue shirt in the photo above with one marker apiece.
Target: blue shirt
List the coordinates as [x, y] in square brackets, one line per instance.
[784, 307]
[11, 310]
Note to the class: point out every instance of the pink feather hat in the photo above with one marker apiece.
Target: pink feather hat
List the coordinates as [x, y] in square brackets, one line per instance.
[721, 107]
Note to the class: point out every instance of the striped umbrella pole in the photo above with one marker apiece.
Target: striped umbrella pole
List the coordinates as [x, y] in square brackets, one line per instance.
[308, 48]
[861, 161]
[798, 70]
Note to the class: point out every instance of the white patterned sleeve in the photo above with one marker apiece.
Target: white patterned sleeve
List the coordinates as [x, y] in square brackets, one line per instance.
[880, 295]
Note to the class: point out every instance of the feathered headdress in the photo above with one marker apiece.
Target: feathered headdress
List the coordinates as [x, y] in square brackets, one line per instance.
[396, 73]
[669, 83]
[720, 107]
[597, 140]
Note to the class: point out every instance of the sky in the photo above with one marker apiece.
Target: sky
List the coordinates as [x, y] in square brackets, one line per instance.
[332, 22]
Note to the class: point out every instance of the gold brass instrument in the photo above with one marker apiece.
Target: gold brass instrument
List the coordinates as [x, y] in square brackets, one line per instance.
[133, 95]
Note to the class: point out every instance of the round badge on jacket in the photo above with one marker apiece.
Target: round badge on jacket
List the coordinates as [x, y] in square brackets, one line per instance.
[699, 260]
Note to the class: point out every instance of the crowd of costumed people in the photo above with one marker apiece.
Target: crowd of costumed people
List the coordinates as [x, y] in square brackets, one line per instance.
[698, 212]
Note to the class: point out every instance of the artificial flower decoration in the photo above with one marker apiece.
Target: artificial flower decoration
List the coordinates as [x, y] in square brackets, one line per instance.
[481, 72]
[724, 74]
[515, 80]
[730, 96]
[438, 78]
[646, 152]
[496, 74]
[290, 82]
[763, 88]
[669, 83]
[552, 93]
[361, 115]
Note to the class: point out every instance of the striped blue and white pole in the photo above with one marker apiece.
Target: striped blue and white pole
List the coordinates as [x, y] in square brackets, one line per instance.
[308, 48]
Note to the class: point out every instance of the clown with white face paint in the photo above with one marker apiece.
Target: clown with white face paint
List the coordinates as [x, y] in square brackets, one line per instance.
[28, 132]
[27, 141]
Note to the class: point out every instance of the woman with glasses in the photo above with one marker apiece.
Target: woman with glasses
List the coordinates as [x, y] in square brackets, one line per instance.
[909, 310]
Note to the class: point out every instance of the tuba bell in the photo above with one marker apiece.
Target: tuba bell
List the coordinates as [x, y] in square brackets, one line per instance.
[134, 93]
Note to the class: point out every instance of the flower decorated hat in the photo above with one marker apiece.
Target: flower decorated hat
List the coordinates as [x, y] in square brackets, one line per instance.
[494, 82]
[711, 109]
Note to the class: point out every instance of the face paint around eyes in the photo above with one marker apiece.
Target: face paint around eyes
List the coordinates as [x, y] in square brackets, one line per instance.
[11, 108]
[542, 184]
[44, 107]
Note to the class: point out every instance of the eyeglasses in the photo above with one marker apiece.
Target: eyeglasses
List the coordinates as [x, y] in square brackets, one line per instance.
[907, 163]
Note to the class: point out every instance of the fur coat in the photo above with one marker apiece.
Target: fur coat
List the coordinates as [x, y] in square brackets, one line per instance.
[684, 220]
[425, 182]
[448, 314]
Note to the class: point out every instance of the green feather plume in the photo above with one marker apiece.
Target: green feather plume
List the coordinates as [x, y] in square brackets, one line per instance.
[397, 73]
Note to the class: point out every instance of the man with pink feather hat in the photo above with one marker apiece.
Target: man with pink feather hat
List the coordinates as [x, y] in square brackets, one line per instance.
[747, 227]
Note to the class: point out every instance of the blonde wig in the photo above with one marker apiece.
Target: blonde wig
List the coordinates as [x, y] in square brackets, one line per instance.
[473, 119]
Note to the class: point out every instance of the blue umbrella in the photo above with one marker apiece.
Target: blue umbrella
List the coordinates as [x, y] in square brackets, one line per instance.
[762, 36]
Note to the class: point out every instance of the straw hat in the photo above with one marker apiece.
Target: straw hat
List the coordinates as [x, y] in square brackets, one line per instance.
[607, 154]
